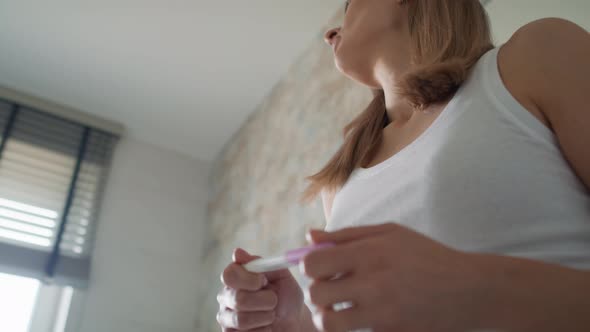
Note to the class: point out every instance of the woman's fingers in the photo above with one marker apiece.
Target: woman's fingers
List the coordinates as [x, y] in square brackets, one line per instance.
[262, 329]
[245, 320]
[243, 304]
[235, 276]
[350, 319]
[325, 293]
[326, 263]
[241, 300]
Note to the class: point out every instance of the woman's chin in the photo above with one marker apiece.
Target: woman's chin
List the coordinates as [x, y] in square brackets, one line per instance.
[339, 66]
[356, 75]
[343, 66]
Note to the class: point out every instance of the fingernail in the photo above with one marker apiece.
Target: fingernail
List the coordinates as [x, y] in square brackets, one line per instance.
[264, 281]
[301, 267]
[317, 321]
[306, 296]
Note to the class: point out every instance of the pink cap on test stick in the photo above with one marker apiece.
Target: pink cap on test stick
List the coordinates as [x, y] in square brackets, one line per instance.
[295, 255]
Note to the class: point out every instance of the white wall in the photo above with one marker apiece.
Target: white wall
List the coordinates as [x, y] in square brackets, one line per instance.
[509, 15]
[145, 274]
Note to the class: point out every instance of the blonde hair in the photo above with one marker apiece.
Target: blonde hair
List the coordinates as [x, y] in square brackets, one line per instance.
[447, 39]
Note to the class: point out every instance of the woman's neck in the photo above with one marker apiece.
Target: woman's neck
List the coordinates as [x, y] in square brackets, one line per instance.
[398, 109]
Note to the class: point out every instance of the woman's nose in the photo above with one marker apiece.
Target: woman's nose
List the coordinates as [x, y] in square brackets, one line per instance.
[330, 34]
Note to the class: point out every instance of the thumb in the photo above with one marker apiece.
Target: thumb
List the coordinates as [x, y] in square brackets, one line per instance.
[241, 256]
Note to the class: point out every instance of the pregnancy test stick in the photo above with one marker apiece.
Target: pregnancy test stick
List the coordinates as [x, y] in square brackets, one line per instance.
[290, 258]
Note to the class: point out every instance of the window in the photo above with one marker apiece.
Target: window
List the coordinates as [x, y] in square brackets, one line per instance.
[17, 302]
[52, 174]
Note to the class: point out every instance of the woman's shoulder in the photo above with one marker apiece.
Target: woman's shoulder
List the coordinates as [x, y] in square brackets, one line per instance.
[530, 54]
[533, 42]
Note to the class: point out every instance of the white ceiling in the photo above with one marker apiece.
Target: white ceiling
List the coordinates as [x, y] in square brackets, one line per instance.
[182, 75]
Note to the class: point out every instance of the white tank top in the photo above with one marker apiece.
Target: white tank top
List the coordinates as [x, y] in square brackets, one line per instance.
[486, 176]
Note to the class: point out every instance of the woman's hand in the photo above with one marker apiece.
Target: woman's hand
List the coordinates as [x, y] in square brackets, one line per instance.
[397, 280]
[259, 302]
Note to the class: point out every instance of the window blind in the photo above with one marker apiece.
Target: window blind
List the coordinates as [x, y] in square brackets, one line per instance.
[52, 175]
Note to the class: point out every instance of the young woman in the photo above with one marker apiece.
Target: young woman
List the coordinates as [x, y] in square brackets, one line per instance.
[459, 199]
